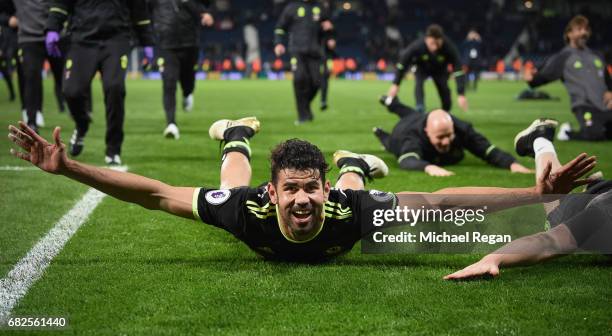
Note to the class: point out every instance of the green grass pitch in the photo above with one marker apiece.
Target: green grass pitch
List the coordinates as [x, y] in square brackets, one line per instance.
[133, 272]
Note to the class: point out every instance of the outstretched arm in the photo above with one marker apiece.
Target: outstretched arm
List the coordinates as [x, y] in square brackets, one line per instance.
[524, 251]
[549, 185]
[148, 193]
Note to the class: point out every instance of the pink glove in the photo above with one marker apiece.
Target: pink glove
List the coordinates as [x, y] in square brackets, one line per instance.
[52, 43]
[149, 54]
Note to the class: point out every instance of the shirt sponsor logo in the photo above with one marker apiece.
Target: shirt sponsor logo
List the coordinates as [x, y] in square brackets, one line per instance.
[218, 197]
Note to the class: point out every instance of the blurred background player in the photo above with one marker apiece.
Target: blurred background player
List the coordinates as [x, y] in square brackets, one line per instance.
[329, 53]
[425, 142]
[8, 44]
[432, 56]
[587, 81]
[31, 17]
[177, 27]
[306, 23]
[101, 38]
[472, 58]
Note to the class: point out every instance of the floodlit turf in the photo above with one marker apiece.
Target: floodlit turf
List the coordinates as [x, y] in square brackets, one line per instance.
[130, 271]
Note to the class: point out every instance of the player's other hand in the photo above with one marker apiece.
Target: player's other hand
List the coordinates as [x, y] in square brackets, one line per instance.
[13, 22]
[279, 50]
[149, 53]
[331, 44]
[520, 169]
[50, 157]
[463, 103]
[207, 20]
[433, 170]
[566, 178]
[487, 267]
[608, 99]
[52, 44]
[393, 90]
[327, 25]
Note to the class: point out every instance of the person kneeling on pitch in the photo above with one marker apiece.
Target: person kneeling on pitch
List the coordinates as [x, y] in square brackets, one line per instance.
[426, 142]
[579, 221]
[297, 215]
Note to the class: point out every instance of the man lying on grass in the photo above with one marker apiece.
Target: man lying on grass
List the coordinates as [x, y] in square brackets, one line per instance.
[580, 222]
[296, 216]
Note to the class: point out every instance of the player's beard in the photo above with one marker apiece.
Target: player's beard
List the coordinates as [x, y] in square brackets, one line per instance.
[443, 149]
[582, 41]
[301, 225]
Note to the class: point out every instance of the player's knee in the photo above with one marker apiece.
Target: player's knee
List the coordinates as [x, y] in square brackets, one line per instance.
[114, 88]
[169, 85]
[72, 92]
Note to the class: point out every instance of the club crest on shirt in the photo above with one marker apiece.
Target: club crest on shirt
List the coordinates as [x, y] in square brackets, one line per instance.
[381, 196]
[217, 197]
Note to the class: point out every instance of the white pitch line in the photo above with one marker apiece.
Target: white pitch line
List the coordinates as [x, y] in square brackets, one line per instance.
[31, 267]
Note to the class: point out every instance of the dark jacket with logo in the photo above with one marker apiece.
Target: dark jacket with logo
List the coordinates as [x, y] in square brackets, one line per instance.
[301, 20]
[96, 21]
[177, 22]
[431, 64]
[583, 73]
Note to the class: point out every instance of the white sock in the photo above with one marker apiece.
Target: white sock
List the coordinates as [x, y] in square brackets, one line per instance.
[543, 145]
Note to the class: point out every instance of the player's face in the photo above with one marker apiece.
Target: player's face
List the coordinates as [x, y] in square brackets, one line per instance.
[300, 196]
[441, 138]
[433, 44]
[579, 35]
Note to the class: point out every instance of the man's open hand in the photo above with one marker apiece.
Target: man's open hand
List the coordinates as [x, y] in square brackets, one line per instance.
[36, 150]
[520, 169]
[566, 178]
[433, 170]
[483, 268]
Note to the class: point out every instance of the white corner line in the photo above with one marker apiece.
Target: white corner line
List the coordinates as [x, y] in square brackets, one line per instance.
[31, 267]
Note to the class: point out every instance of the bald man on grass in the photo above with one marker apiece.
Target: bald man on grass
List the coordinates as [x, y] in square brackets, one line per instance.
[428, 142]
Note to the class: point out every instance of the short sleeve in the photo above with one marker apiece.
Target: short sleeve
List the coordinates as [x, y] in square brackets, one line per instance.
[222, 208]
[364, 204]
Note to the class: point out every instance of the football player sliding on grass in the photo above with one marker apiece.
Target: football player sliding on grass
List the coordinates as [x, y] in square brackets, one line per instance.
[580, 222]
[297, 215]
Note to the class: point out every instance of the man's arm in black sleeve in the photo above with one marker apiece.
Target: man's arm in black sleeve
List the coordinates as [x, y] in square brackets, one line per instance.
[282, 26]
[59, 10]
[480, 146]
[458, 73]
[141, 21]
[195, 7]
[412, 154]
[404, 63]
[551, 71]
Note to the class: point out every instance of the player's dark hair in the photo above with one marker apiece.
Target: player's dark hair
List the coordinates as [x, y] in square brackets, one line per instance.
[299, 155]
[576, 21]
[434, 31]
